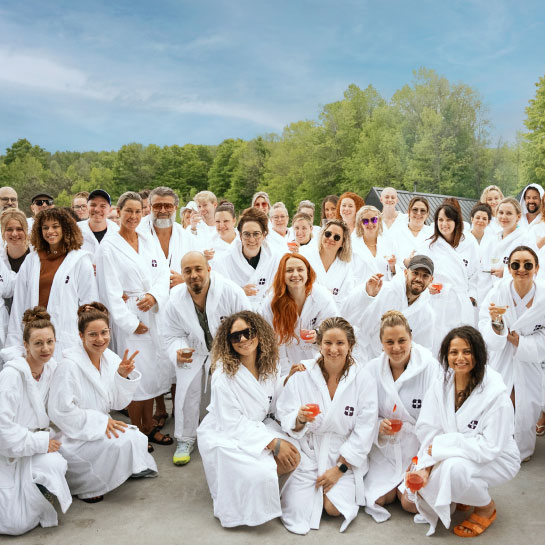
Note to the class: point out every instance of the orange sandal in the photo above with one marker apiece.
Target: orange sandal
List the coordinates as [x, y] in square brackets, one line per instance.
[474, 525]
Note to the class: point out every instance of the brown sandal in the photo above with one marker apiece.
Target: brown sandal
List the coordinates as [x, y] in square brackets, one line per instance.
[474, 526]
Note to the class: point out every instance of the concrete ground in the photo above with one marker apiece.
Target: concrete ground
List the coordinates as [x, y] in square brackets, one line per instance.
[176, 508]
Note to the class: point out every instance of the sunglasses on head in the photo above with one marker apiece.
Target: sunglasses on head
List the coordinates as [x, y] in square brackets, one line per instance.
[373, 220]
[515, 265]
[329, 234]
[236, 336]
[41, 202]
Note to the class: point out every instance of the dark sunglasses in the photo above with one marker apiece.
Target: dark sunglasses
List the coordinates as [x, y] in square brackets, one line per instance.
[516, 266]
[373, 220]
[236, 336]
[329, 234]
[41, 202]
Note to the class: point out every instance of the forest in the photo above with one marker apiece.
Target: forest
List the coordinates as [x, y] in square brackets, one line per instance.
[432, 134]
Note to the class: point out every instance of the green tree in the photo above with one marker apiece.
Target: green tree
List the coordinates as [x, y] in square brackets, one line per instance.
[224, 164]
[22, 148]
[534, 144]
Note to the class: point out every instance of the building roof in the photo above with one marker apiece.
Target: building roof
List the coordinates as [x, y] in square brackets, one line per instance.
[404, 197]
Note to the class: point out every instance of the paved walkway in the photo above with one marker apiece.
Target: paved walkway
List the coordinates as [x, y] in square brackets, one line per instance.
[176, 508]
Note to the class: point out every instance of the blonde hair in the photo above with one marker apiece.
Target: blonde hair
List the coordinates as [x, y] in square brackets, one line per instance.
[13, 214]
[205, 196]
[359, 225]
[393, 318]
[345, 251]
[514, 202]
[487, 190]
[336, 322]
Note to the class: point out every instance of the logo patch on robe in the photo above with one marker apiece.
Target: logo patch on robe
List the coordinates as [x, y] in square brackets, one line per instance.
[417, 403]
[349, 411]
[335, 291]
[1, 279]
[262, 281]
[222, 318]
[67, 280]
[538, 327]
[153, 263]
[465, 262]
[506, 260]
[473, 424]
[313, 322]
[270, 399]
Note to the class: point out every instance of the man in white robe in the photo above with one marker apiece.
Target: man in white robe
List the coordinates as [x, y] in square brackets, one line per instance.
[192, 317]
[409, 294]
[530, 202]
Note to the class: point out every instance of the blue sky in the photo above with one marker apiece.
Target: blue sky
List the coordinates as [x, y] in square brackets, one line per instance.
[96, 75]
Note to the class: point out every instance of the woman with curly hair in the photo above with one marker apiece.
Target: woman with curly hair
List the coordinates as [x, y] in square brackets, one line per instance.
[465, 429]
[331, 408]
[57, 275]
[331, 259]
[295, 307]
[242, 447]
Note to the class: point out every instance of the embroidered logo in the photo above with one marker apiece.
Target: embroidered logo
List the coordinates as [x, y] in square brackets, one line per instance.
[538, 327]
[465, 262]
[153, 263]
[335, 291]
[417, 403]
[262, 281]
[1, 279]
[473, 424]
[313, 322]
[270, 399]
[506, 260]
[67, 280]
[222, 318]
[349, 411]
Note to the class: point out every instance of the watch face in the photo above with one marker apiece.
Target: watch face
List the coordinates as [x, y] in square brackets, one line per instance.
[342, 468]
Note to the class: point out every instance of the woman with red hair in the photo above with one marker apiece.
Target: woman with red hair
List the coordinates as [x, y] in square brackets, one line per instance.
[347, 207]
[295, 307]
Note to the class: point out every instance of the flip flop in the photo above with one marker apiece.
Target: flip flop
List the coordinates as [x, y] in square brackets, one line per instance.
[474, 526]
[165, 440]
[540, 429]
[93, 500]
[160, 420]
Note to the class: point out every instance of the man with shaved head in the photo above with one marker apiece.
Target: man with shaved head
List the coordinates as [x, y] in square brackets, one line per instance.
[192, 317]
[8, 198]
[390, 216]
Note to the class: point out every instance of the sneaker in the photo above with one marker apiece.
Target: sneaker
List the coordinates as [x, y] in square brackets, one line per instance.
[183, 451]
[143, 474]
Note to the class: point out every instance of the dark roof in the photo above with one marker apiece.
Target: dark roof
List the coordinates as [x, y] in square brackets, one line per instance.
[404, 197]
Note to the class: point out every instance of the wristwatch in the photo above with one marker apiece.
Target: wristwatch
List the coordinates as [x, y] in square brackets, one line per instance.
[343, 468]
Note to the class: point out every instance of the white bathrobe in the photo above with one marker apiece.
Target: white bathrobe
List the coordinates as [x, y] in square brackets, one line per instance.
[7, 285]
[73, 285]
[80, 402]
[388, 461]
[456, 269]
[180, 242]
[519, 366]
[473, 448]
[338, 279]
[524, 220]
[364, 264]
[182, 330]
[365, 313]
[24, 460]
[122, 270]
[233, 436]
[90, 242]
[318, 306]
[220, 247]
[234, 265]
[538, 232]
[346, 426]
[404, 242]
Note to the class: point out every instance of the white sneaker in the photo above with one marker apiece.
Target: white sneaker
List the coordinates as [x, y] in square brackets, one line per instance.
[183, 451]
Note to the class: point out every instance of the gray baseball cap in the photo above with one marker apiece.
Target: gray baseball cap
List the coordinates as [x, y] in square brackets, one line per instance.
[421, 262]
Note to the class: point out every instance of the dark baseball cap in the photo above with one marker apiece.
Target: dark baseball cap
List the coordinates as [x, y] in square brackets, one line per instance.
[99, 193]
[421, 262]
[42, 195]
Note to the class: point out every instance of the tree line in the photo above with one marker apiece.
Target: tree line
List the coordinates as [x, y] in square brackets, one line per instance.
[432, 134]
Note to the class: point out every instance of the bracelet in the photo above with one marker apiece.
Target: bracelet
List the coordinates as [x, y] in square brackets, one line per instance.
[277, 447]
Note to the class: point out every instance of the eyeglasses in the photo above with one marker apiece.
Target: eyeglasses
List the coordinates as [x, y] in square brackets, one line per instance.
[236, 336]
[373, 220]
[95, 334]
[247, 236]
[329, 234]
[79, 207]
[515, 265]
[8, 199]
[41, 202]
[158, 206]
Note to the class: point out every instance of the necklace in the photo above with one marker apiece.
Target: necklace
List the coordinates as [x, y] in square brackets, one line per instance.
[36, 376]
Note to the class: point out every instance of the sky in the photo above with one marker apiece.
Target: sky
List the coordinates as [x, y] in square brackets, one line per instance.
[97, 75]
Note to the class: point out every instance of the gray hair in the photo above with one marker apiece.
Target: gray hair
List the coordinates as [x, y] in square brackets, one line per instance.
[306, 204]
[261, 194]
[163, 191]
[277, 205]
[128, 196]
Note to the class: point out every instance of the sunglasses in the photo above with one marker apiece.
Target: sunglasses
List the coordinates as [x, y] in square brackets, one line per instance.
[329, 234]
[157, 207]
[373, 220]
[515, 265]
[236, 336]
[41, 202]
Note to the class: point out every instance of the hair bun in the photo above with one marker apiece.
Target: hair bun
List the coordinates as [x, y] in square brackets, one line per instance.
[34, 314]
[90, 307]
[391, 314]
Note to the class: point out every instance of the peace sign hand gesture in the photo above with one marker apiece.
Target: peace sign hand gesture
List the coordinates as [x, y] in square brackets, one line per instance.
[126, 367]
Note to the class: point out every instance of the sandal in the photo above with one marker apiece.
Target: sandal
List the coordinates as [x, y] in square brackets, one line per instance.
[165, 439]
[93, 500]
[462, 507]
[160, 420]
[474, 526]
[540, 429]
[150, 448]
